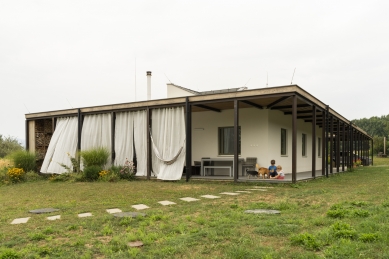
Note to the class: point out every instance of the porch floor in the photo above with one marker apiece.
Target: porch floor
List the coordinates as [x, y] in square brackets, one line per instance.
[300, 176]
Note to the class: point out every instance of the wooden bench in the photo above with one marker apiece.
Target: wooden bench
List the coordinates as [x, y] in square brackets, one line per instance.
[216, 167]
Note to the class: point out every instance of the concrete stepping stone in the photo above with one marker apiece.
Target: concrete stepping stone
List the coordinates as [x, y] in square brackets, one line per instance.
[230, 193]
[44, 210]
[244, 191]
[210, 196]
[140, 206]
[262, 190]
[84, 215]
[135, 244]
[54, 217]
[165, 203]
[189, 199]
[261, 211]
[112, 211]
[128, 214]
[20, 221]
[263, 187]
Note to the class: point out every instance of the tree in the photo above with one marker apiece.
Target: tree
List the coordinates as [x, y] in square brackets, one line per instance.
[8, 145]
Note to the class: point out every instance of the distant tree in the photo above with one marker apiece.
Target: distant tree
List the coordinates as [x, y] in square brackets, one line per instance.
[8, 145]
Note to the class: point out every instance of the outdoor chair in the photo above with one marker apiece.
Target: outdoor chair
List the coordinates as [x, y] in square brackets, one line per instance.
[249, 164]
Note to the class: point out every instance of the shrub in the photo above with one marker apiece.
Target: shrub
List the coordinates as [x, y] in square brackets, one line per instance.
[95, 157]
[8, 145]
[15, 174]
[91, 173]
[128, 171]
[24, 159]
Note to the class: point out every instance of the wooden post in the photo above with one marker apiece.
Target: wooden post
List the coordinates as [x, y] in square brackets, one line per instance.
[294, 139]
[314, 142]
[188, 162]
[236, 140]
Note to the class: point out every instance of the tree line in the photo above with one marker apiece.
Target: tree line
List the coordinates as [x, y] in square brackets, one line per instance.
[378, 128]
[8, 145]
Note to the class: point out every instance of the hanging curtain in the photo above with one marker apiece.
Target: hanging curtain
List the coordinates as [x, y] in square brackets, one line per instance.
[140, 140]
[124, 149]
[62, 144]
[168, 133]
[96, 133]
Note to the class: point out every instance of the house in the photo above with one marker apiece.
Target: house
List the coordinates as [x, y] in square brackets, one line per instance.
[284, 123]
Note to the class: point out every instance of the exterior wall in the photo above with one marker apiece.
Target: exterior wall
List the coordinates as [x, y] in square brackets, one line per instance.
[260, 137]
[253, 123]
[173, 91]
[278, 120]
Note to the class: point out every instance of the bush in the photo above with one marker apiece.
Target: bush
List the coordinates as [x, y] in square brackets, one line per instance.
[306, 240]
[95, 157]
[15, 174]
[127, 171]
[25, 160]
[91, 173]
[8, 145]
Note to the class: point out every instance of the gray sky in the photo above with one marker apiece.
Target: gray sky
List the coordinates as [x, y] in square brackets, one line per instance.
[62, 54]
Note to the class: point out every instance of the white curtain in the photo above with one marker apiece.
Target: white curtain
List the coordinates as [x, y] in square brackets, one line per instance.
[62, 143]
[124, 131]
[168, 131]
[96, 133]
[130, 131]
[140, 140]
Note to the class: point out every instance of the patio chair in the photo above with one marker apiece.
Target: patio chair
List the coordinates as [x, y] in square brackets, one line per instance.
[249, 163]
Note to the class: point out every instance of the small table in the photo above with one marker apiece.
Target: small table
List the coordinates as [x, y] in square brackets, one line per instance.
[218, 159]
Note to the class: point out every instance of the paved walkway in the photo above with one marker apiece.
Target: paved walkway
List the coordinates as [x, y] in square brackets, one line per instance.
[144, 207]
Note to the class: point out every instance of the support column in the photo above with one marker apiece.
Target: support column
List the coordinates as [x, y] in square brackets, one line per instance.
[337, 159]
[294, 139]
[323, 137]
[314, 142]
[331, 143]
[113, 154]
[80, 121]
[188, 159]
[27, 135]
[343, 145]
[351, 145]
[372, 148]
[326, 139]
[148, 148]
[236, 140]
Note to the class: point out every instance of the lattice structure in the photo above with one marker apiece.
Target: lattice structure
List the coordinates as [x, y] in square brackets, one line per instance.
[43, 133]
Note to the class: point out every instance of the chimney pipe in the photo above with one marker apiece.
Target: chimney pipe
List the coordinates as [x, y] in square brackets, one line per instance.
[148, 74]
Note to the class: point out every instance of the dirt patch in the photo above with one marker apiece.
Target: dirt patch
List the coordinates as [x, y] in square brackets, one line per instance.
[104, 239]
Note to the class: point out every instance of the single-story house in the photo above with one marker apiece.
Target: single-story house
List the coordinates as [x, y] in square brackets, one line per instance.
[221, 131]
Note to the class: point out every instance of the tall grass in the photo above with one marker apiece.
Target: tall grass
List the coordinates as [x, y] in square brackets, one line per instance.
[95, 157]
[24, 159]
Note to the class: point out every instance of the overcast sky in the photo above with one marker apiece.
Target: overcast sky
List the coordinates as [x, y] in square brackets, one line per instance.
[69, 54]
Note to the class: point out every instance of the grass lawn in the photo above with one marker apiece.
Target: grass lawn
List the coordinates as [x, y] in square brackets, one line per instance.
[343, 216]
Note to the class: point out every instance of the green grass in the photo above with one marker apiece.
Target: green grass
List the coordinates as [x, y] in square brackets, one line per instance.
[343, 216]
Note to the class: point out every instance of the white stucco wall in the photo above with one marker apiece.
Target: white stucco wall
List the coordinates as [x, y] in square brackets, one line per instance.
[173, 91]
[260, 136]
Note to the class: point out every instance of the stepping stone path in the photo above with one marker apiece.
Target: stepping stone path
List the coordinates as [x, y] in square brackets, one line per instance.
[118, 212]
[45, 210]
[54, 217]
[164, 203]
[128, 214]
[84, 215]
[112, 211]
[188, 199]
[261, 211]
[230, 193]
[140, 206]
[20, 220]
[210, 196]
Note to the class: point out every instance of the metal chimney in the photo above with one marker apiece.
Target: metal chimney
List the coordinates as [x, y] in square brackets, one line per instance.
[148, 74]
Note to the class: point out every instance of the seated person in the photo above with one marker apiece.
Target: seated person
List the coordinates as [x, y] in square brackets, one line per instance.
[280, 174]
[272, 169]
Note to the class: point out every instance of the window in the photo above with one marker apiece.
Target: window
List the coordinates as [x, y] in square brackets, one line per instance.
[304, 144]
[226, 140]
[319, 147]
[283, 142]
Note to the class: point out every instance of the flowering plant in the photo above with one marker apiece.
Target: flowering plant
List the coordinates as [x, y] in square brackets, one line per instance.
[128, 170]
[357, 162]
[15, 174]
